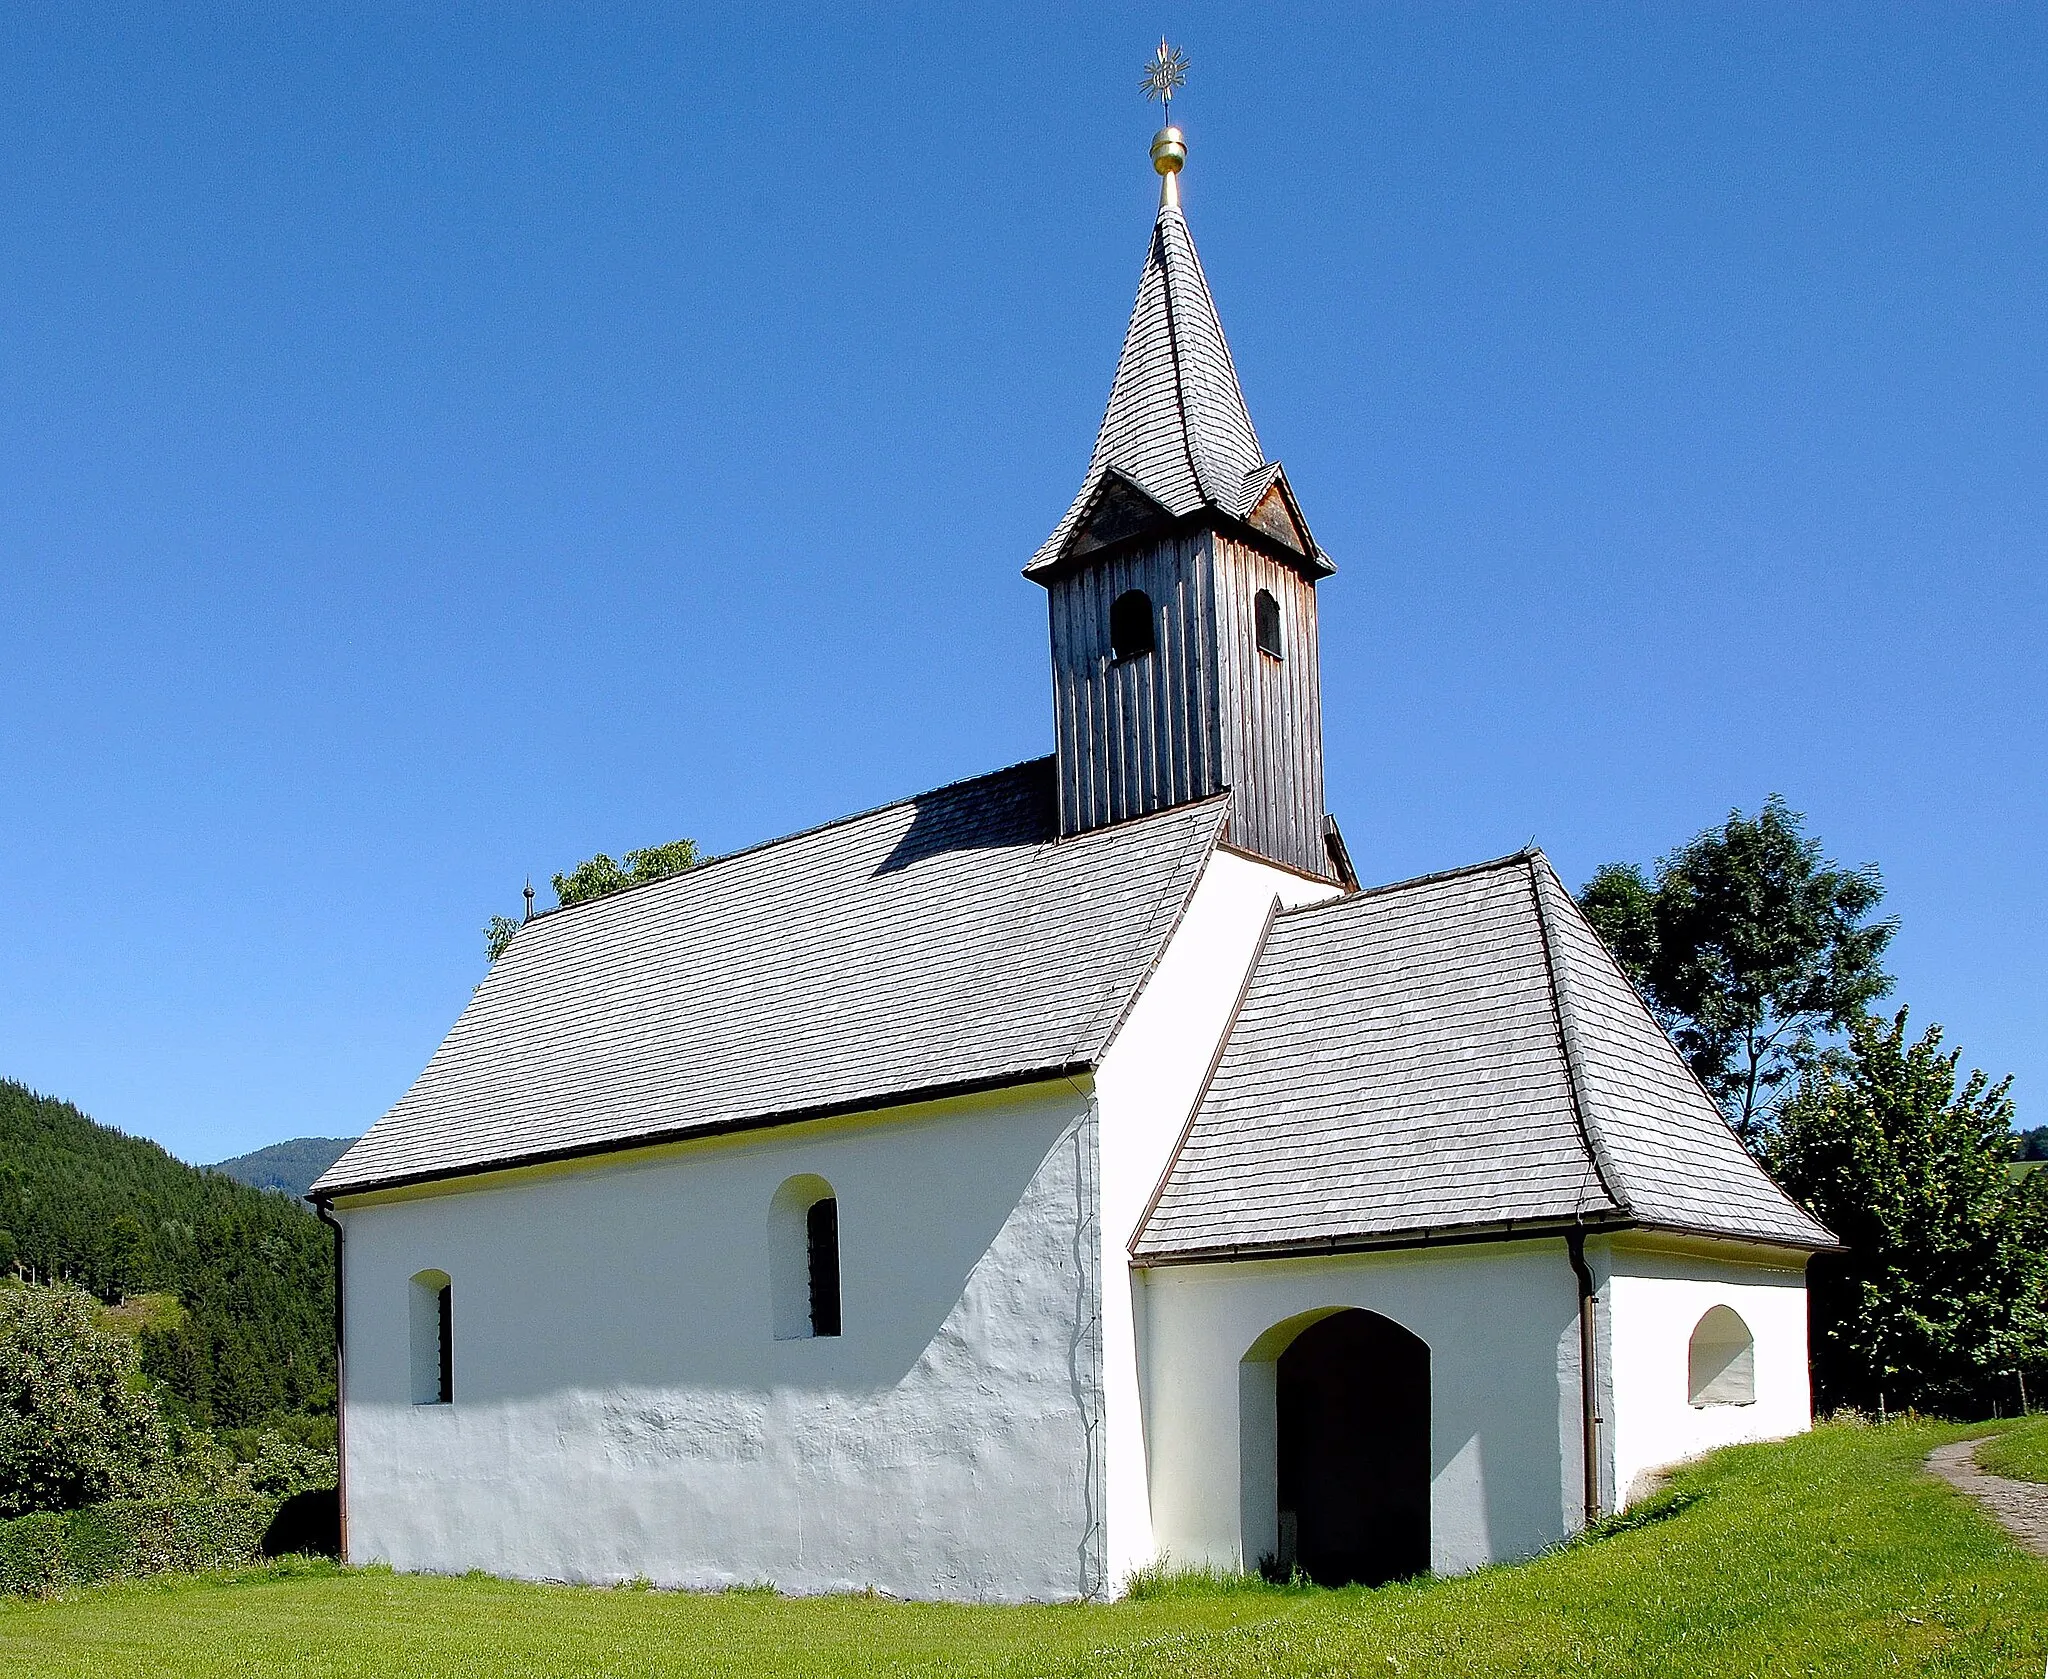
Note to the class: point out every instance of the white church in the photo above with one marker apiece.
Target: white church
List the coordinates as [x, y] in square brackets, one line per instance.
[985, 1196]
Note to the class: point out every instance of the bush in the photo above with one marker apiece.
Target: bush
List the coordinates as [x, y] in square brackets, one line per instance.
[75, 1426]
[50, 1550]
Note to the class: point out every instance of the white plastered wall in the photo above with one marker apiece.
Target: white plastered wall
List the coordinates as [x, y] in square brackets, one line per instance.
[1501, 1321]
[1656, 1291]
[1145, 1088]
[622, 1407]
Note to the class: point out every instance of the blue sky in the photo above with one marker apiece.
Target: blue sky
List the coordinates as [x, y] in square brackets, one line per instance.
[440, 443]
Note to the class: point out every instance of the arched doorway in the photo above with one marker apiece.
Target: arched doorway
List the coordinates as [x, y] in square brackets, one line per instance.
[1352, 1394]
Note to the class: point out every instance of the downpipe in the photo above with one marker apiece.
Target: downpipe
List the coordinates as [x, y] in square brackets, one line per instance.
[1589, 1371]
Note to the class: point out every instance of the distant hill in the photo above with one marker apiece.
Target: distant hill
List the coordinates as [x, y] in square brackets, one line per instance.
[290, 1166]
[117, 1215]
[2031, 1145]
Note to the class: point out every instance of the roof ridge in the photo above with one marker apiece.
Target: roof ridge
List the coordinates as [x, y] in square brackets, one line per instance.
[796, 834]
[1576, 1083]
[1663, 1032]
[1365, 892]
[1173, 356]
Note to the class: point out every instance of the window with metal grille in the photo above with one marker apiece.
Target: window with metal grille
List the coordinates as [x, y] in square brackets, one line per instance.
[803, 1258]
[433, 1339]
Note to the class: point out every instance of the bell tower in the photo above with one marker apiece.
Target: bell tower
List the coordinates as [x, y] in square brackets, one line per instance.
[1182, 588]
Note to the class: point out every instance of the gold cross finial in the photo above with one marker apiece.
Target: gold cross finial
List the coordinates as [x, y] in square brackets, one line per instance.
[1167, 71]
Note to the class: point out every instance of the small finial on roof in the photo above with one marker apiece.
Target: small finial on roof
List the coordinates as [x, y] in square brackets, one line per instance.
[529, 899]
[1168, 70]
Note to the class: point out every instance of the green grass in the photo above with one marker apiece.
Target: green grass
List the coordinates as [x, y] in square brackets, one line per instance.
[2021, 1452]
[1831, 1555]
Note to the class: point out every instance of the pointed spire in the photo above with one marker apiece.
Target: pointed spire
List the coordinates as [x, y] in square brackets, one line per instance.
[1177, 434]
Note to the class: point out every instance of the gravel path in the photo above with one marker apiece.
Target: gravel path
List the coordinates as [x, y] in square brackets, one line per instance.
[2020, 1507]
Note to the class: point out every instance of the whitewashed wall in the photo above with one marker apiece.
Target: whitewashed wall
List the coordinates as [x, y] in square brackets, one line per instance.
[1145, 1088]
[1501, 1320]
[622, 1407]
[1656, 1293]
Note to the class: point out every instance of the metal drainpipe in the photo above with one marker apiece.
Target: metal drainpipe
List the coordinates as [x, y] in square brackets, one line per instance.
[340, 1380]
[1589, 1373]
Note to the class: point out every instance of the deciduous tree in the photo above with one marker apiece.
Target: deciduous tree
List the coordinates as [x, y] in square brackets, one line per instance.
[1752, 948]
[1941, 1294]
[599, 877]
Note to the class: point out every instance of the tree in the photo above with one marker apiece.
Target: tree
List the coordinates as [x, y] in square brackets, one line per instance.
[599, 877]
[2031, 1145]
[75, 1425]
[1751, 948]
[1942, 1292]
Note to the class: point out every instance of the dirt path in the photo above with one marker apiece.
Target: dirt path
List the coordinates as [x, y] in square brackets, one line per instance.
[2020, 1507]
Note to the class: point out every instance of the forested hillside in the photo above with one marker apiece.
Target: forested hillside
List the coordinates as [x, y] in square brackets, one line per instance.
[117, 1215]
[290, 1166]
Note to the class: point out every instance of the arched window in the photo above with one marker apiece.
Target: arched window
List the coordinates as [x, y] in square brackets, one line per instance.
[1266, 623]
[803, 1258]
[433, 1338]
[1131, 631]
[1721, 1362]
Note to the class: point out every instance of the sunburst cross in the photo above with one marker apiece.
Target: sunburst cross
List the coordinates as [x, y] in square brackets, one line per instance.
[1167, 71]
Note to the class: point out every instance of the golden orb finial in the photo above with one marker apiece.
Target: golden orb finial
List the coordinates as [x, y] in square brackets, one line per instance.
[1167, 70]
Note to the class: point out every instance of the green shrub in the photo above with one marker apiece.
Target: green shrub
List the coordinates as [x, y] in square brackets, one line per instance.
[44, 1552]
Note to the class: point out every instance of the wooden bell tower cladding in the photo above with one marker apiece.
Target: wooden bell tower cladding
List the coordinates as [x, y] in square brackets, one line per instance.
[1181, 505]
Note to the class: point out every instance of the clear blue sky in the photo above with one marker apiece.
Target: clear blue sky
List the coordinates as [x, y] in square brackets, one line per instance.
[437, 444]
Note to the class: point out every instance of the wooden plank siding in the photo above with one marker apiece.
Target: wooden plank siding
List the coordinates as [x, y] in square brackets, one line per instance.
[1206, 710]
[1272, 709]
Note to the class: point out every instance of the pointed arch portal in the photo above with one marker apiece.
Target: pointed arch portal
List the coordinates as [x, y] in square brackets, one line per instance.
[1352, 1415]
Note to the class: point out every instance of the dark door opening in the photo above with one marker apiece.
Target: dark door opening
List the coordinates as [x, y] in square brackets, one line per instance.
[1353, 1395]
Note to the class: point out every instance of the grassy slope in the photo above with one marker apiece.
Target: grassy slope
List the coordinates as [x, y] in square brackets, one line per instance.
[1831, 1555]
[2022, 1452]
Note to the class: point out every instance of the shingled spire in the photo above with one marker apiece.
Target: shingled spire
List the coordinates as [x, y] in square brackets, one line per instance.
[1182, 586]
[1177, 437]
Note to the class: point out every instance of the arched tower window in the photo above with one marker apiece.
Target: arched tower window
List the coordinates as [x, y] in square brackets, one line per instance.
[803, 1258]
[1721, 1360]
[1266, 623]
[1131, 630]
[432, 1313]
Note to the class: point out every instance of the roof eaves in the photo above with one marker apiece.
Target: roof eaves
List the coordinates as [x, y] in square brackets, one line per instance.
[323, 1193]
[1420, 1236]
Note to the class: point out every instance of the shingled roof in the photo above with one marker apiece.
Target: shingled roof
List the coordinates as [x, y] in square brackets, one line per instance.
[1452, 1055]
[1177, 431]
[941, 944]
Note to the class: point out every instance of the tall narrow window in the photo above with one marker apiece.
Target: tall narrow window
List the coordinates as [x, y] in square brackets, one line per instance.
[1266, 623]
[433, 1339]
[1131, 631]
[803, 1259]
[821, 1229]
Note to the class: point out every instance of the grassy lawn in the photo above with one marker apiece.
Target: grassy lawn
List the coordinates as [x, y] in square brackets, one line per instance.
[2021, 1452]
[1830, 1555]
